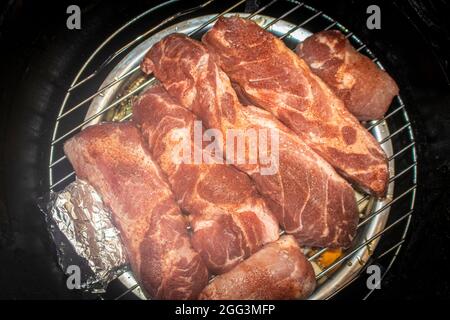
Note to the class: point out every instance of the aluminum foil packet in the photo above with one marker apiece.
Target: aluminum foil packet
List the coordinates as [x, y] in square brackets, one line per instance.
[86, 241]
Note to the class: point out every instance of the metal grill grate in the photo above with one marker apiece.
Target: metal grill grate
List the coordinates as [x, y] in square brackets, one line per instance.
[72, 117]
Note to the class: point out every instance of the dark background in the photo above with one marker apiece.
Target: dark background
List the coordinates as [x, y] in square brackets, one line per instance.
[40, 57]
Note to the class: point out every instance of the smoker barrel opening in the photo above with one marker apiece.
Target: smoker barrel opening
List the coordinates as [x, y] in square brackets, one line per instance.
[384, 222]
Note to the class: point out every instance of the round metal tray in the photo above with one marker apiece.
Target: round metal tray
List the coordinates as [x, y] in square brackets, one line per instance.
[329, 282]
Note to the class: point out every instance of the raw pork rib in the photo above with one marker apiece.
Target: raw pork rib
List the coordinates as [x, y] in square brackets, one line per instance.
[276, 79]
[229, 219]
[366, 90]
[307, 196]
[278, 271]
[112, 158]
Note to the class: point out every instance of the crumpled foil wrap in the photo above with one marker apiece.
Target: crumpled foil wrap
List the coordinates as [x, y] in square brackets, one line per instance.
[84, 235]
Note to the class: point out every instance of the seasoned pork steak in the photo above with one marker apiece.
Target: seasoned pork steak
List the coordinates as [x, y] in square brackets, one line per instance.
[278, 271]
[274, 78]
[366, 90]
[112, 158]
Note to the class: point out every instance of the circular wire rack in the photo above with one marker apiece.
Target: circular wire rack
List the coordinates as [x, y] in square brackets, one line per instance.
[290, 21]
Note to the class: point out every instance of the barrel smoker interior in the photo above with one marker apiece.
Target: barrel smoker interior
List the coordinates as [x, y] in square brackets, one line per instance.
[59, 81]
